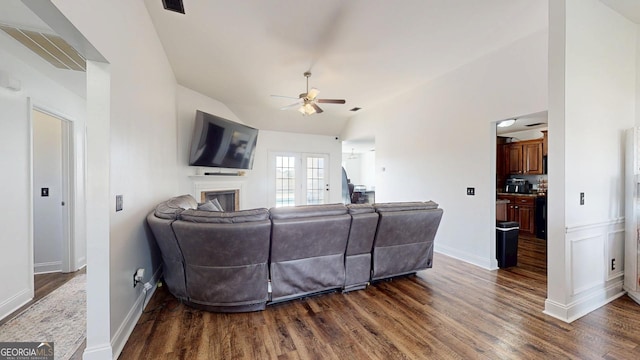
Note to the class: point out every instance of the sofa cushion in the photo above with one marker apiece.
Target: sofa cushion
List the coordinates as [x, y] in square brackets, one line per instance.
[171, 208]
[355, 209]
[231, 217]
[296, 212]
[405, 206]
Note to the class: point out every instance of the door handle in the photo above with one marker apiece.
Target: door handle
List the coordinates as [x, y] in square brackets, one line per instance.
[63, 203]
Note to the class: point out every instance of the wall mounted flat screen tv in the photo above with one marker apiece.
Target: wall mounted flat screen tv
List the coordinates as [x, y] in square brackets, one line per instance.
[222, 143]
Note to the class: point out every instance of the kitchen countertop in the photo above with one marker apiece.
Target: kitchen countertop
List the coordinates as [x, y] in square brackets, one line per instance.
[502, 201]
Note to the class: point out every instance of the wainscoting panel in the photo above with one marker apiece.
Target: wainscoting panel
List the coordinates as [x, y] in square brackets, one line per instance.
[592, 280]
[586, 263]
[614, 254]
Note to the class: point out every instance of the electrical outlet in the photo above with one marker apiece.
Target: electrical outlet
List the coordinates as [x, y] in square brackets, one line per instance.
[138, 276]
[581, 198]
[613, 264]
[471, 191]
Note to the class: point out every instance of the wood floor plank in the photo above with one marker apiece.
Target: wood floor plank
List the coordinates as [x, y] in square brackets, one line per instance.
[453, 311]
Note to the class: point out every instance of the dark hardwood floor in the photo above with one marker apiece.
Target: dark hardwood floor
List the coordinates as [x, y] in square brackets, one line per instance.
[453, 311]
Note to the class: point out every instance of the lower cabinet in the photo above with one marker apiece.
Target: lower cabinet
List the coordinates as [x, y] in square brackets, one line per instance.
[522, 210]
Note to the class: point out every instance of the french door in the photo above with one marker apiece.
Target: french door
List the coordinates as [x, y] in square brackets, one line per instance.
[298, 179]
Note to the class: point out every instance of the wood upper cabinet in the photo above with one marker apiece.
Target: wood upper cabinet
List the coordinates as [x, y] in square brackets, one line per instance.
[524, 157]
[532, 158]
[501, 165]
[514, 159]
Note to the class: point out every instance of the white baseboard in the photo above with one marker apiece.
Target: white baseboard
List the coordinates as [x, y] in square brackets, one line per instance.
[81, 262]
[97, 353]
[464, 256]
[47, 267]
[126, 328]
[634, 295]
[15, 302]
[584, 305]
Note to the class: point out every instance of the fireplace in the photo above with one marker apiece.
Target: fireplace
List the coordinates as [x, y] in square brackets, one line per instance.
[230, 194]
[229, 199]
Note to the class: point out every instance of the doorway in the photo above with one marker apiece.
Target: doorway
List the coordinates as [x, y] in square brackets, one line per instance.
[359, 164]
[521, 189]
[52, 154]
[298, 179]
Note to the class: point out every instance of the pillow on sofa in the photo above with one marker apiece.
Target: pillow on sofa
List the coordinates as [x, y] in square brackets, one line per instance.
[171, 208]
[211, 205]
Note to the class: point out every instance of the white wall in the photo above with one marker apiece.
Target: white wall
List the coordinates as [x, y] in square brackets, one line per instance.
[143, 138]
[16, 257]
[255, 184]
[47, 210]
[594, 100]
[442, 140]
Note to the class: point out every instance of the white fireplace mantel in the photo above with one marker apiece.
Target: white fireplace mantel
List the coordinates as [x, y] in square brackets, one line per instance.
[203, 183]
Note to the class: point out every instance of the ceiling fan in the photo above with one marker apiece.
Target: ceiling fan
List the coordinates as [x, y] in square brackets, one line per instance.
[307, 103]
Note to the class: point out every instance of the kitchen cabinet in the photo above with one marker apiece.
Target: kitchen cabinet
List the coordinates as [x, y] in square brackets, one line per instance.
[514, 159]
[501, 164]
[521, 209]
[532, 158]
[524, 157]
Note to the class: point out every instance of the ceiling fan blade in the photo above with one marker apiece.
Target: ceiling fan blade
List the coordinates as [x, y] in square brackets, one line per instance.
[295, 104]
[286, 97]
[331, 101]
[317, 108]
[313, 93]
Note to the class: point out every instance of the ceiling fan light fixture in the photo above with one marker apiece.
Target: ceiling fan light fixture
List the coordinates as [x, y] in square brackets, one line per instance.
[307, 109]
[506, 123]
[307, 103]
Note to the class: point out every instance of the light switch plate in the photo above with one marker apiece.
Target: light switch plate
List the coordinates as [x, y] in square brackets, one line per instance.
[118, 202]
[471, 191]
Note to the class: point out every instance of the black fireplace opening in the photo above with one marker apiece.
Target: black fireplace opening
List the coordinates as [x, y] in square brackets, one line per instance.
[227, 198]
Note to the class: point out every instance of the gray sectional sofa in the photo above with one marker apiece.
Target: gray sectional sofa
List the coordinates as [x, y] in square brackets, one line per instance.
[241, 261]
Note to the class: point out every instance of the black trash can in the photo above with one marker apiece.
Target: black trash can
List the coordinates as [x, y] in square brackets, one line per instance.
[507, 243]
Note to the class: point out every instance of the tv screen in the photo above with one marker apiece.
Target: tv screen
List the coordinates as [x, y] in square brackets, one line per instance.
[219, 142]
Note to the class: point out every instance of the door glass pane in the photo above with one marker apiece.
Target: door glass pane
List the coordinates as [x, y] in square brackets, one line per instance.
[315, 183]
[285, 181]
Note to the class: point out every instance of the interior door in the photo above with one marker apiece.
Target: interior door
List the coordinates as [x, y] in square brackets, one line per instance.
[49, 193]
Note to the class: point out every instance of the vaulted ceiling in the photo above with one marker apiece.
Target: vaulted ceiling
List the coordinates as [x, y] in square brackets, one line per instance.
[365, 51]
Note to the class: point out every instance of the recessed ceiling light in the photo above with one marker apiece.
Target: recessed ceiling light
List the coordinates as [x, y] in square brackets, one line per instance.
[506, 123]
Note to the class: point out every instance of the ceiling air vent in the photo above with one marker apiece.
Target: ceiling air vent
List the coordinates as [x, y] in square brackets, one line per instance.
[174, 5]
[49, 47]
[536, 124]
[355, 109]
